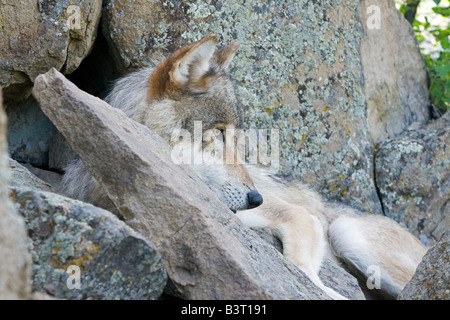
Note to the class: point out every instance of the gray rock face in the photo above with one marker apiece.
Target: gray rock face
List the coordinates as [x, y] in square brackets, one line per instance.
[113, 261]
[432, 278]
[207, 252]
[15, 262]
[29, 133]
[413, 176]
[23, 178]
[38, 35]
[334, 276]
[395, 77]
[35, 36]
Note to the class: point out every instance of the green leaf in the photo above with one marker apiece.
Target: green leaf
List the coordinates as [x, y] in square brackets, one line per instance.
[445, 43]
[402, 9]
[427, 23]
[443, 71]
[442, 11]
[416, 24]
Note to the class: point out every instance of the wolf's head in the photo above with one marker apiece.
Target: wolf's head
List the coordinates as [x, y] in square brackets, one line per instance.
[192, 87]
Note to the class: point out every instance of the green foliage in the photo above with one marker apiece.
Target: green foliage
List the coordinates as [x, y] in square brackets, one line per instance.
[438, 62]
[439, 71]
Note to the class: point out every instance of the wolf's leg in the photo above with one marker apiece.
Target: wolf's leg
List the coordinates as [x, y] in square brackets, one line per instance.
[254, 218]
[376, 248]
[304, 245]
[301, 235]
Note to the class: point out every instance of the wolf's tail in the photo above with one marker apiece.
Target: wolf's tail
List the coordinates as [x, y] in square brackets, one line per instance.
[382, 254]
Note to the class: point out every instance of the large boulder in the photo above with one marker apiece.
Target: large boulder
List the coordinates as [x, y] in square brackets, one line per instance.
[35, 36]
[207, 252]
[76, 243]
[413, 177]
[15, 261]
[38, 35]
[432, 278]
[395, 77]
[113, 260]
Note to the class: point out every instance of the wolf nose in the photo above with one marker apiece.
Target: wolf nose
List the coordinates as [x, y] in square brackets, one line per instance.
[254, 199]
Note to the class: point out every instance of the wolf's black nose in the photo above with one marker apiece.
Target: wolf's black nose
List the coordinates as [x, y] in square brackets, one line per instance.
[254, 199]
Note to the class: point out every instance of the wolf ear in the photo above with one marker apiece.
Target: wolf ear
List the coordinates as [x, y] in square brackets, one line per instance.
[222, 58]
[195, 61]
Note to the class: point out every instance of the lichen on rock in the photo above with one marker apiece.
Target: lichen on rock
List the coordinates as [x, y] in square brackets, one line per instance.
[414, 179]
[114, 261]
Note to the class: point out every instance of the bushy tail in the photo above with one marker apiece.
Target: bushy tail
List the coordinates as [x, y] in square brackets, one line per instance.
[382, 254]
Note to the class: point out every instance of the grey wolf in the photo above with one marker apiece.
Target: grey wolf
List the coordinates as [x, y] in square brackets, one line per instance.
[192, 85]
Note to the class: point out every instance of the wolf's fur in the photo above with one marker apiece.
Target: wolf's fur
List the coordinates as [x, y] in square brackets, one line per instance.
[192, 85]
[310, 229]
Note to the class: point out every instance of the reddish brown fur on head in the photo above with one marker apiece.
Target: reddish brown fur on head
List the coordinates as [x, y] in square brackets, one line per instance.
[190, 69]
[193, 86]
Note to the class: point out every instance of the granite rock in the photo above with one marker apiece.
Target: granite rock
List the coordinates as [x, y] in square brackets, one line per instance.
[72, 243]
[37, 35]
[432, 278]
[413, 177]
[15, 261]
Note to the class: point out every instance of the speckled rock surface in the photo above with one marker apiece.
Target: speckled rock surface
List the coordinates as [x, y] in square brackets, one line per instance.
[114, 261]
[21, 177]
[15, 260]
[413, 176]
[35, 36]
[432, 278]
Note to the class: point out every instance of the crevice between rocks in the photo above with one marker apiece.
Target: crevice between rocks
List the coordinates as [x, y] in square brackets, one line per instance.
[97, 71]
[377, 189]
